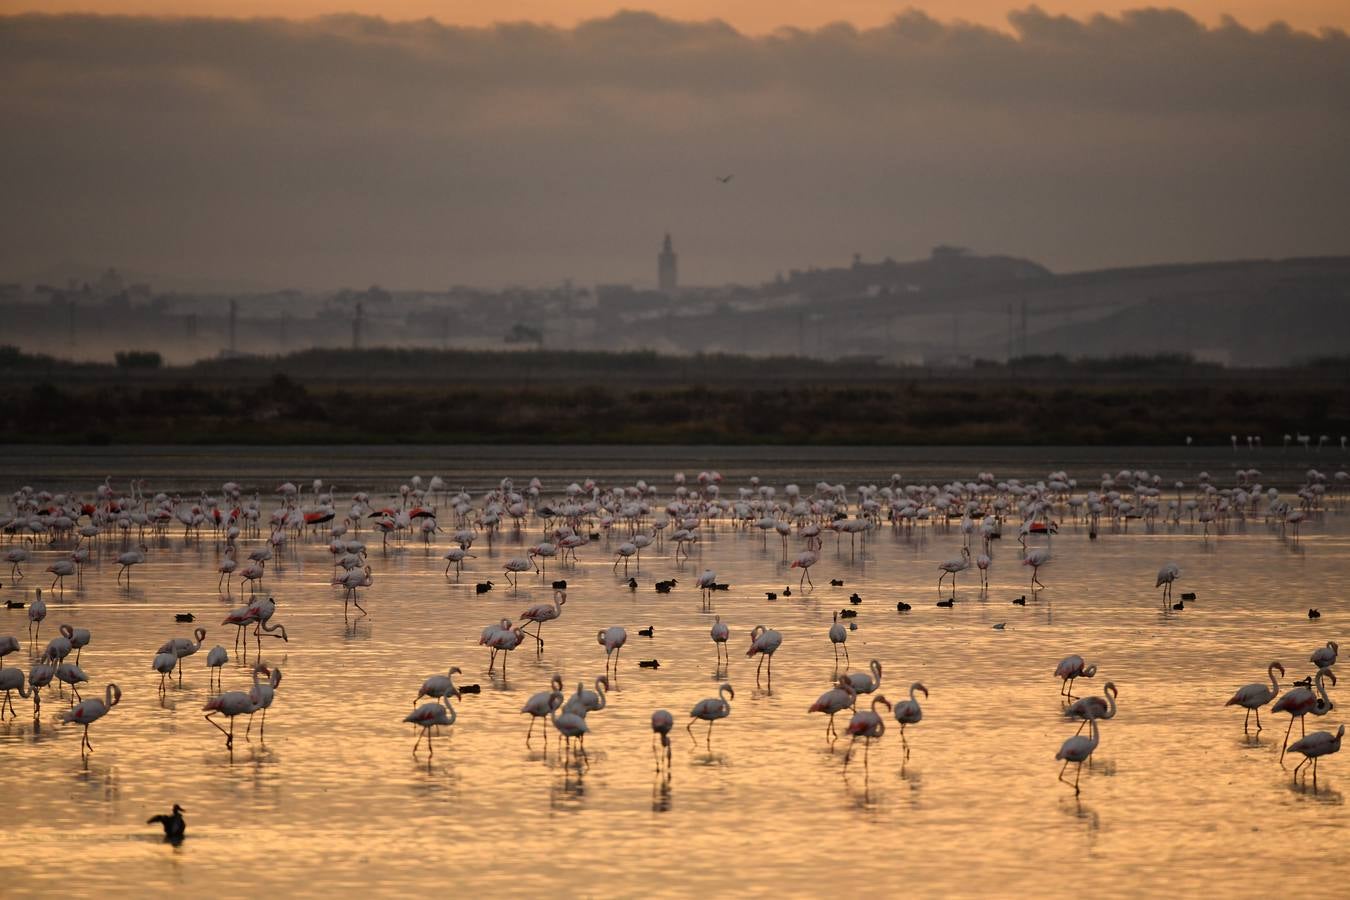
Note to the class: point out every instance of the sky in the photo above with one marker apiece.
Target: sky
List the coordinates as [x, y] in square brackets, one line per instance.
[355, 150]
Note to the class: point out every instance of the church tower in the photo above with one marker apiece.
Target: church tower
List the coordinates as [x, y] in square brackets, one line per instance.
[665, 268]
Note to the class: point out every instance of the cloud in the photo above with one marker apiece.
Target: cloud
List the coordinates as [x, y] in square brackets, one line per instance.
[350, 149]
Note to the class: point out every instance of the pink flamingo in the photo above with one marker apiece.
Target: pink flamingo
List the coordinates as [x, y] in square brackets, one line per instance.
[867, 724]
[908, 712]
[1256, 695]
[87, 712]
[662, 722]
[764, 642]
[834, 701]
[710, 710]
[1069, 668]
[428, 716]
[1078, 749]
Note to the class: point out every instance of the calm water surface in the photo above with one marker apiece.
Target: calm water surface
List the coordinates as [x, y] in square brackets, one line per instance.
[333, 802]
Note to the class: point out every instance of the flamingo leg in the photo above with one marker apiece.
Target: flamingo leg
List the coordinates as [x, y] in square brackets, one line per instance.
[1287, 732]
[710, 725]
[1258, 719]
[690, 729]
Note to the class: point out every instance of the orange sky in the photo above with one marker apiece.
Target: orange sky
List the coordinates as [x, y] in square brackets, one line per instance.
[747, 15]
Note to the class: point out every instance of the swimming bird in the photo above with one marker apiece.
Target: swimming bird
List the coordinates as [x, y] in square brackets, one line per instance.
[710, 710]
[1256, 695]
[908, 712]
[764, 642]
[87, 712]
[174, 826]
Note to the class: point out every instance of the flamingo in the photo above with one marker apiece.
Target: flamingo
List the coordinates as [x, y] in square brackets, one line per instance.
[441, 687]
[584, 702]
[1299, 702]
[181, 647]
[865, 683]
[1315, 745]
[12, 679]
[867, 724]
[164, 664]
[1036, 558]
[226, 569]
[61, 568]
[1069, 668]
[428, 716]
[262, 694]
[129, 559]
[39, 677]
[73, 675]
[87, 712]
[504, 641]
[834, 701]
[215, 660]
[662, 722]
[571, 725]
[622, 554]
[541, 704]
[982, 563]
[1256, 695]
[908, 712]
[1325, 657]
[229, 704]
[838, 635]
[720, 634]
[1093, 707]
[705, 584]
[710, 710]
[544, 612]
[37, 611]
[58, 648]
[16, 558]
[455, 557]
[1169, 573]
[78, 638]
[1078, 749]
[263, 611]
[805, 561]
[350, 581]
[514, 565]
[8, 644]
[612, 639]
[765, 642]
[952, 566]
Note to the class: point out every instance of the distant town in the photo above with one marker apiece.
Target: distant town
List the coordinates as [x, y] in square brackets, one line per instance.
[948, 310]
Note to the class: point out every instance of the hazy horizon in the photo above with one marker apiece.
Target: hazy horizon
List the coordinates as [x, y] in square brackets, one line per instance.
[351, 150]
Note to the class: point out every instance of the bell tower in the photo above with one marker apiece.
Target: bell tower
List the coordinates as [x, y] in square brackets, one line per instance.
[665, 267]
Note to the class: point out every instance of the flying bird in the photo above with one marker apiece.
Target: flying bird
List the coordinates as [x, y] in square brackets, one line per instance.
[725, 179]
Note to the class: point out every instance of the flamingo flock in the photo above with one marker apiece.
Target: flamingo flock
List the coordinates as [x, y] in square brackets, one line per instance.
[637, 517]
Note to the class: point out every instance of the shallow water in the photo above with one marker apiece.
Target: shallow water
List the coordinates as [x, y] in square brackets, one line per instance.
[333, 801]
